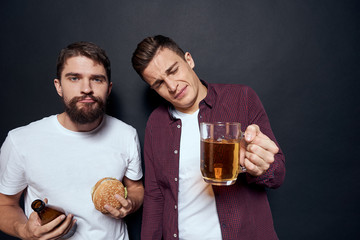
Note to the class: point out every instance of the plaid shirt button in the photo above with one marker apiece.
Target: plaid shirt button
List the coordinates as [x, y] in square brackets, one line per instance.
[176, 151]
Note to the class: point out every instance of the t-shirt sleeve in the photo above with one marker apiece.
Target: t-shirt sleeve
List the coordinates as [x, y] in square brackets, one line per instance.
[12, 175]
[134, 170]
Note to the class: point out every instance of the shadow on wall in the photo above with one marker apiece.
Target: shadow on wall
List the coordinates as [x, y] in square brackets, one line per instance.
[152, 100]
[113, 106]
[149, 102]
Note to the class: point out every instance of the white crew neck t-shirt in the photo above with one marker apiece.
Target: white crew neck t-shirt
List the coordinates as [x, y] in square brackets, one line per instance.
[198, 217]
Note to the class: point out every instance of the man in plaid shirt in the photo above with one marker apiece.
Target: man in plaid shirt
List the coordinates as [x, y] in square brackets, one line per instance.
[177, 202]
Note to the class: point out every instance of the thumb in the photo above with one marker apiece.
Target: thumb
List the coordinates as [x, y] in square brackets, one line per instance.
[34, 217]
[251, 132]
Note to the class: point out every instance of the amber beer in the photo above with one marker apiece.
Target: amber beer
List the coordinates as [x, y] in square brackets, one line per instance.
[220, 152]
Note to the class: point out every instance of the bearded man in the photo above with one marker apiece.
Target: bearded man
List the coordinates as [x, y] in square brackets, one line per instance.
[59, 158]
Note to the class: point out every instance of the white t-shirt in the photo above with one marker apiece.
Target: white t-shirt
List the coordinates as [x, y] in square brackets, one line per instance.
[198, 218]
[63, 166]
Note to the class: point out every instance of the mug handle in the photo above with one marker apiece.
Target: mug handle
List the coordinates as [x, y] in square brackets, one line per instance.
[241, 168]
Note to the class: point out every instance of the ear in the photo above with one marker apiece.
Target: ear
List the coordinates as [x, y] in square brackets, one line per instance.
[189, 60]
[109, 89]
[58, 87]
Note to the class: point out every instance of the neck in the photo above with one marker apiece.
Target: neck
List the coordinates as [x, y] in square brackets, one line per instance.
[67, 123]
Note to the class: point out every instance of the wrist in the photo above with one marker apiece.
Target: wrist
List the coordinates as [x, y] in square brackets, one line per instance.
[132, 204]
[20, 230]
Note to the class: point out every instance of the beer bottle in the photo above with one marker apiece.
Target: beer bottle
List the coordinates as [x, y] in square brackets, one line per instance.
[47, 213]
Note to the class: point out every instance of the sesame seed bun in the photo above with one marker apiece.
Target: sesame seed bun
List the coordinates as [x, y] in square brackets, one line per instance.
[104, 193]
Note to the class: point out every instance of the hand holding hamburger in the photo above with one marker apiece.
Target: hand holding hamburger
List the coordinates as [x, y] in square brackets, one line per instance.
[104, 191]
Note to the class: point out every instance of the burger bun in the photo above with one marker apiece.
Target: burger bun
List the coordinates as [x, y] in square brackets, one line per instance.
[104, 193]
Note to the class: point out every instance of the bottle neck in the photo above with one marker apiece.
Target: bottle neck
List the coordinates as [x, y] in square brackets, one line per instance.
[38, 205]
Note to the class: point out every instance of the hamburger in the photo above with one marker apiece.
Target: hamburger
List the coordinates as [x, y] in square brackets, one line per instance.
[104, 193]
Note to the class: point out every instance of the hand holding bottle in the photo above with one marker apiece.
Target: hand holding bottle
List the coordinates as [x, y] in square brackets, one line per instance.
[48, 223]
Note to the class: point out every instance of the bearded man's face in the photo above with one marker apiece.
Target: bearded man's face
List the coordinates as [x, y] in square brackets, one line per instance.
[84, 88]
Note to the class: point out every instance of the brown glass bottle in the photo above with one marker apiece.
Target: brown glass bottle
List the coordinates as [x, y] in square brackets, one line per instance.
[45, 212]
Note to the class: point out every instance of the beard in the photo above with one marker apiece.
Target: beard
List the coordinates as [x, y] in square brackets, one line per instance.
[88, 113]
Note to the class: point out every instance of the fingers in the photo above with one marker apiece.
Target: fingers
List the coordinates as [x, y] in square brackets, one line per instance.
[51, 225]
[115, 213]
[256, 164]
[254, 135]
[58, 231]
[255, 152]
[123, 211]
[33, 226]
[52, 230]
[251, 132]
[257, 159]
[124, 202]
[49, 230]
[259, 151]
[65, 227]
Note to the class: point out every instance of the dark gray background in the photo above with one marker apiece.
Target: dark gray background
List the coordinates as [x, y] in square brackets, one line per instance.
[300, 56]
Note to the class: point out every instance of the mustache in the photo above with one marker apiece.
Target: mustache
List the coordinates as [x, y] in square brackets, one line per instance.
[80, 98]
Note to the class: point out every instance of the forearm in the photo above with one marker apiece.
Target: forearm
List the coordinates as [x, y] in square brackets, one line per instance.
[136, 196]
[12, 220]
[12, 216]
[135, 193]
[274, 176]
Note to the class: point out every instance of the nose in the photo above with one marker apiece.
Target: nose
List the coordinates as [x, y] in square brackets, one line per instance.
[86, 87]
[171, 85]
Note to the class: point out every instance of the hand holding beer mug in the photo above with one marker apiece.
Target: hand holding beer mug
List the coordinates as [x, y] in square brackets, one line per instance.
[220, 152]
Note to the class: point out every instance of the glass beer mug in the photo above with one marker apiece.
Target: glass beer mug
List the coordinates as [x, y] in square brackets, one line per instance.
[220, 152]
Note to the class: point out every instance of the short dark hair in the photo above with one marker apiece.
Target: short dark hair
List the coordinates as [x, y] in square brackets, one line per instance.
[86, 49]
[147, 49]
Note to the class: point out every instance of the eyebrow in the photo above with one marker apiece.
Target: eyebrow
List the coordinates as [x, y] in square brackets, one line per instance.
[72, 74]
[92, 76]
[152, 86]
[170, 68]
[98, 76]
[167, 71]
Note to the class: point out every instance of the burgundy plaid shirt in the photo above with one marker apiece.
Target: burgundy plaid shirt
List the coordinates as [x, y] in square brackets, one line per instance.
[243, 208]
